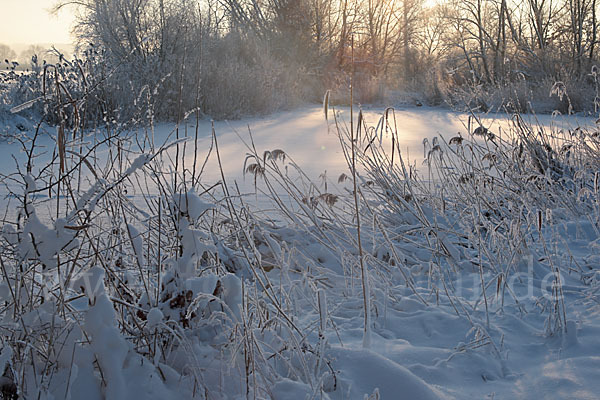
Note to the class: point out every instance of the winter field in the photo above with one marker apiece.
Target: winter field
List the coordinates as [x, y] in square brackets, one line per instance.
[425, 254]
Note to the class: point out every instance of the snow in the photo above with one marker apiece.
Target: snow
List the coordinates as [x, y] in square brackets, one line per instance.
[140, 161]
[366, 371]
[191, 205]
[287, 294]
[154, 318]
[302, 134]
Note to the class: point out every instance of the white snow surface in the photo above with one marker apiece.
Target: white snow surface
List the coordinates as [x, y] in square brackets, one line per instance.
[302, 134]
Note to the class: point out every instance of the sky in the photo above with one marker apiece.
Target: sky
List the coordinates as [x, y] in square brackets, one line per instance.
[25, 22]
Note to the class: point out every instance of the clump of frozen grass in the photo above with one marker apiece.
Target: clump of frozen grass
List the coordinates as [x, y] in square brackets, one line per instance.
[99, 288]
[484, 200]
[488, 203]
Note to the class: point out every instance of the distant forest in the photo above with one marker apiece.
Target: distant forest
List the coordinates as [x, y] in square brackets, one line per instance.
[227, 58]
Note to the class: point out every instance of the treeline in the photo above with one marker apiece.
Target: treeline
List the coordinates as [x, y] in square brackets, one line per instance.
[9, 60]
[231, 57]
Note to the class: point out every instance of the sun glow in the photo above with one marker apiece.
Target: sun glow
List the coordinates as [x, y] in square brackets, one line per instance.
[27, 22]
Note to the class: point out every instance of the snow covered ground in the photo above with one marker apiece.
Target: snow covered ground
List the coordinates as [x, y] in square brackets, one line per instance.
[303, 134]
[497, 298]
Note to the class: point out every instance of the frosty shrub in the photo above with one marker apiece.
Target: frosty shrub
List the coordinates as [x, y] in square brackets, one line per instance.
[124, 275]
